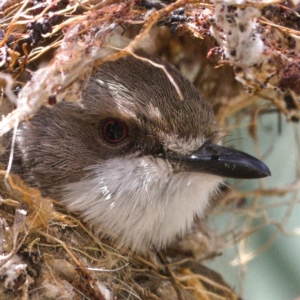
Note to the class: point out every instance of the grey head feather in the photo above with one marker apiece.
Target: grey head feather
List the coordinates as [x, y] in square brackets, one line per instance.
[61, 150]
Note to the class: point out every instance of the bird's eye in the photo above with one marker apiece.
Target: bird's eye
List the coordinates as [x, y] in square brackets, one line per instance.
[114, 131]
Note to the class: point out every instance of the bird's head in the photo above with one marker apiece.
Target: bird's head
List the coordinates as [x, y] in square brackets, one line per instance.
[136, 161]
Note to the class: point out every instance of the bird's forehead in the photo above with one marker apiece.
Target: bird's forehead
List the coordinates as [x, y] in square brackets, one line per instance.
[153, 106]
[141, 91]
[181, 145]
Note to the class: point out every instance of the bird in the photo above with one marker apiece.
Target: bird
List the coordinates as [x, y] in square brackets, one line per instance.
[137, 162]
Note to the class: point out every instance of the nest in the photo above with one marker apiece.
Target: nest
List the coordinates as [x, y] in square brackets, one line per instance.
[242, 55]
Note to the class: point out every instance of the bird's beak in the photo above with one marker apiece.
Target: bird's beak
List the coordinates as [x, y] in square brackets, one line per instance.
[221, 161]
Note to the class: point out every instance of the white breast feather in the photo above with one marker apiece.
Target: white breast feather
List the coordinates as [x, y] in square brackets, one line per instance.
[140, 200]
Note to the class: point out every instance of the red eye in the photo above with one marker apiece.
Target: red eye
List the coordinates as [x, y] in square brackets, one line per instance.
[114, 131]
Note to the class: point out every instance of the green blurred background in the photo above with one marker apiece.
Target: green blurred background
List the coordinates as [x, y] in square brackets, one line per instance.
[273, 274]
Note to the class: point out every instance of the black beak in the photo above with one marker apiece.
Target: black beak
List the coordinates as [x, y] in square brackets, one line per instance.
[221, 161]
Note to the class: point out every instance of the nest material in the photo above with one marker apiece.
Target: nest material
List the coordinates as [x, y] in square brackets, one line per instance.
[244, 35]
[244, 58]
[49, 254]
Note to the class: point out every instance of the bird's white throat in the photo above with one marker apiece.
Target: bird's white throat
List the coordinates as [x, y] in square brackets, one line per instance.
[140, 200]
